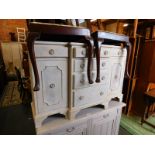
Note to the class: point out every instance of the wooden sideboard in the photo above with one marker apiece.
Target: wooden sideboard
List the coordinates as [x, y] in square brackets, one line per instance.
[64, 86]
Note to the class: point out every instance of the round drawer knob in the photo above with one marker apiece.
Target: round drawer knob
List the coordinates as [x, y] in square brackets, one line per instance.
[81, 97]
[105, 116]
[82, 81]
[115, 77]
[101, 93]
[119, 52]
[52, 85]
[105, 52]
[103, 64]
[82, 66]
[71, 129]
[83, 52]
[103, 78]
[51, 51]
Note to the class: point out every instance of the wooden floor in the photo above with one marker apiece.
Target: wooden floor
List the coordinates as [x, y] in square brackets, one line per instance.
[10, 95]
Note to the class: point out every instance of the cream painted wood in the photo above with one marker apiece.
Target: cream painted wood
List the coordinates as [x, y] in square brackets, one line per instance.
[91, 95]
[80, 64]
[64, 89]
[112, 51]
[50, 50]
[79, 51]
[81, 80]
[53, 89]
[89, 121]
[117, 73]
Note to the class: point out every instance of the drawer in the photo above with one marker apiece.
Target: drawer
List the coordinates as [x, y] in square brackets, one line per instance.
[50, 50]
[113, 51]
[106, 116]
[105, 51]
[79, 51]
[80, 65]
[81, 80]
[90, 95]
[74, 129]
[117, 52]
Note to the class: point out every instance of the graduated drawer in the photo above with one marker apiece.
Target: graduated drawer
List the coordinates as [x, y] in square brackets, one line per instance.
[112, 51]
[50, 50]
[117, 52]
[81, 79]
[90, 95]
[79, 51]
[80, 65]
[74, 129]
[105, 116]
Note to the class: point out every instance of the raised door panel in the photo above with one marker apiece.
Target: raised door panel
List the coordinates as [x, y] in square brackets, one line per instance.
[53, 88]
[103, 127]
[52, 85]
[117, 73]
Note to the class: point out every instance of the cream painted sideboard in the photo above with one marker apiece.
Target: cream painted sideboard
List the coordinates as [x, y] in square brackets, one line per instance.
[64, 89]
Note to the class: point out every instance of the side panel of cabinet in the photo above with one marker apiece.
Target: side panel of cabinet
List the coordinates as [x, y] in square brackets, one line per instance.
[117, 73]
[53, 85]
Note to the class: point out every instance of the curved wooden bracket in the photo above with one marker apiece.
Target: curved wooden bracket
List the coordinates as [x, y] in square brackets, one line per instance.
[128, 45]
[90, 44]
[32, 36]
[97, 53]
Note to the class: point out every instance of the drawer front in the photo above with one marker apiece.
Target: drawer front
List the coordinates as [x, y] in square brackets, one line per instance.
[118, 52]
[81, 80]
[79, 52]
[80, 65]
[75, 129]
[50, 51]
[90, 95]
[113, 51]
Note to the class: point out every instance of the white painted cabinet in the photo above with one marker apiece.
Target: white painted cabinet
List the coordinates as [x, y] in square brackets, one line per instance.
[90, 121]
[64, 89]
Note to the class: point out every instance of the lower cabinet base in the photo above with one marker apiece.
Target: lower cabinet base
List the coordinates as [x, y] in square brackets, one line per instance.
[40, 118]
[89, 121]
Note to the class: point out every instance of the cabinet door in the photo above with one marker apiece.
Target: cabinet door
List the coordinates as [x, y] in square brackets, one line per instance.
[53, 85]
[104, 124]
[103, 127]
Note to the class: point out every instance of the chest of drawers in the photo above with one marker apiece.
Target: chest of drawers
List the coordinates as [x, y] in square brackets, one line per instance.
[64, 86]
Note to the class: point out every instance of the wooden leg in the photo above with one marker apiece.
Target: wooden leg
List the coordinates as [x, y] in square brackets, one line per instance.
[32, 36]
[97, 53]
[90, 44]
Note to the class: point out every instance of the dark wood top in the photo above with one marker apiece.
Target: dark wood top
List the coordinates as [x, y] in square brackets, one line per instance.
[110, 36]
[56, 29]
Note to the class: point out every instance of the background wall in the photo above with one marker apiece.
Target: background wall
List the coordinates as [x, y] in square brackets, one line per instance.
[10, 25]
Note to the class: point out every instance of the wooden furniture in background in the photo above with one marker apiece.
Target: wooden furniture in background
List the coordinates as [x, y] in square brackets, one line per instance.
[145, 76]
[149, 98]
